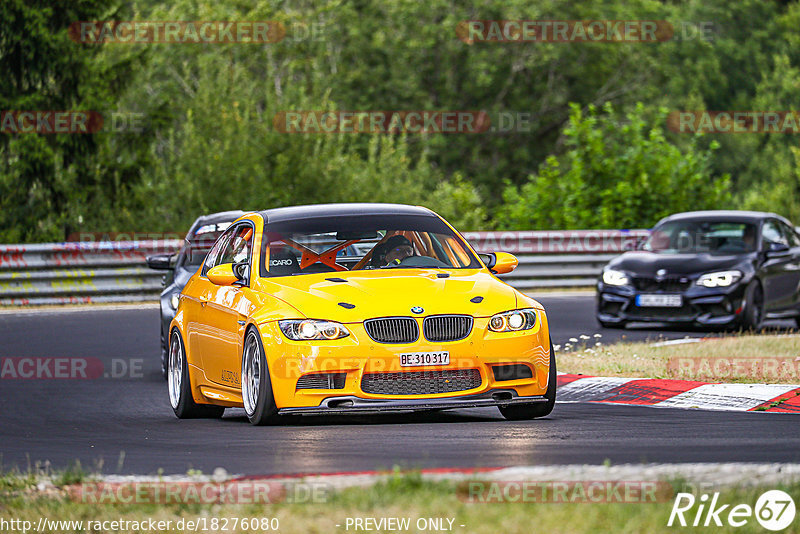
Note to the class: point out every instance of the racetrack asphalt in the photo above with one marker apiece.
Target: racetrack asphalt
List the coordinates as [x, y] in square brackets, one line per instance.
[125, 425]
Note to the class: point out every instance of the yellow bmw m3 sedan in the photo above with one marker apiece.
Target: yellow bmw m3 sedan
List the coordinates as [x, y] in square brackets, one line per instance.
[355, 308]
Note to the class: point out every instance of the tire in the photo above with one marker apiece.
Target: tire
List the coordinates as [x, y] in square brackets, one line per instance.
[164, 357]
[753, 316]
[180, 387]
[521, 412]
[259, 402]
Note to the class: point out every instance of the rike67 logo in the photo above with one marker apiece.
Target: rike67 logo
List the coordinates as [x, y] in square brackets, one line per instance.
[774, 510]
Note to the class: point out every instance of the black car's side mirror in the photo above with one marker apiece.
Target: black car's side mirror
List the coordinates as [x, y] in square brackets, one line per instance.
[777, 250]
[160, 262]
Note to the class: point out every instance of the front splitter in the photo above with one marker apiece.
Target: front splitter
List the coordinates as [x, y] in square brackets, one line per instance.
[351, 404]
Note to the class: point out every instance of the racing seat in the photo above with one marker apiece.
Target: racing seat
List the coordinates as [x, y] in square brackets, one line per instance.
[283, 261]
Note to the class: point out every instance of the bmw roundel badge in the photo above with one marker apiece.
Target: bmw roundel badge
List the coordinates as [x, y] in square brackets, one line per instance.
[417, 309]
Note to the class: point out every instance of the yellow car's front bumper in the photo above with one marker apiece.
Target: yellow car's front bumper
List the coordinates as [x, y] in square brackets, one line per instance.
[357, 356]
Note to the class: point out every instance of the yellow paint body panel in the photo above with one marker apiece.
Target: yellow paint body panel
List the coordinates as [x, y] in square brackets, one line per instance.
[213, 320]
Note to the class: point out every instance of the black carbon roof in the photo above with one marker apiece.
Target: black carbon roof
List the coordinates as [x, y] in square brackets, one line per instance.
[318, 211]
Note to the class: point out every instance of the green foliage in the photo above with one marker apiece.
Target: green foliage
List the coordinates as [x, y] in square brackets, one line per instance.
[209, 144]
[617, 172]
[45, 179]
[779, 194]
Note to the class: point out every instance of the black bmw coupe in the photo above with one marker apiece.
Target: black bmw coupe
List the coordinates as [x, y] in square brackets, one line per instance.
[183, 264]
[711, 268]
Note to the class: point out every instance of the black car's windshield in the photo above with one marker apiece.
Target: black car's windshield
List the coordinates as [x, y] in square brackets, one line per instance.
[199, 243]
[380, 242]
[693, 237]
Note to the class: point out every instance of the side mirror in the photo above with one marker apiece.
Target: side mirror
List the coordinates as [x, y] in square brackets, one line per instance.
[160, 262]
[488, 259]
[500, 262]
[777, 250]
[223, 275]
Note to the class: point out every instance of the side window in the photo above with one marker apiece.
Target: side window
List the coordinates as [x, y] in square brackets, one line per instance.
[791, 236]
[214, 253]
[772, 233]
[237, 249]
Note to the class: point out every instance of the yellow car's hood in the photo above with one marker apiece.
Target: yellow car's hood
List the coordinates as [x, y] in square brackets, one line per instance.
[388, 293]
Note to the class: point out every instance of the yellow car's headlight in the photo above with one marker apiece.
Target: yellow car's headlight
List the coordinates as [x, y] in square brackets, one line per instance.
[613, 277]
[309, 329]
[512, 321]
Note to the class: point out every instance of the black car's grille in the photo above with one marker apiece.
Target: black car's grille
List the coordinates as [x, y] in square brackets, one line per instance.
[322, 381]
[421, 382]
[667, 284]
[684, 312]
[447, 327]
[392, 329]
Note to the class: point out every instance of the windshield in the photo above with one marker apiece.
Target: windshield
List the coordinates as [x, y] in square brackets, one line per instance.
[377, 242]
[197, 245]
[692, 237]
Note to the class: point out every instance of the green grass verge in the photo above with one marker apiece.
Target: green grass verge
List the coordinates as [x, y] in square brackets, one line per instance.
[402, 495]
[744, 358]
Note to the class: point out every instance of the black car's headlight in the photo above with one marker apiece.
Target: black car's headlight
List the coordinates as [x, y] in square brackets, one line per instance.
[174, 300]
[513, 320]
[719, 279]
[612, 277]
[308, 329]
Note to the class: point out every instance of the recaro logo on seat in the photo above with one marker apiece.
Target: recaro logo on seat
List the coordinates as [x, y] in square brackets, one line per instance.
[280, 262]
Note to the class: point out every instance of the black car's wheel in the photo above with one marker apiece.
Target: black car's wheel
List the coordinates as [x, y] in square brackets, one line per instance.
[521, 412]
[753, 316]
[164, 357]
[180, 387]
[259, 403]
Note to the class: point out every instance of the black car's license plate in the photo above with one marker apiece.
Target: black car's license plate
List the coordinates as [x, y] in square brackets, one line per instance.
[659, 301]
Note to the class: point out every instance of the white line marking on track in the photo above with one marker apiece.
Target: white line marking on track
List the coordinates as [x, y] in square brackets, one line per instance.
[728, 397]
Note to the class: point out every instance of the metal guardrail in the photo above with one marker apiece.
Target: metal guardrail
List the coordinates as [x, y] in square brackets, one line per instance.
[557, 259]
[106, 271]
[80, 272]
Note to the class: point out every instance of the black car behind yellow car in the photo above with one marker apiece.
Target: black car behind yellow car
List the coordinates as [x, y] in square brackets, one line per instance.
[711, 268]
